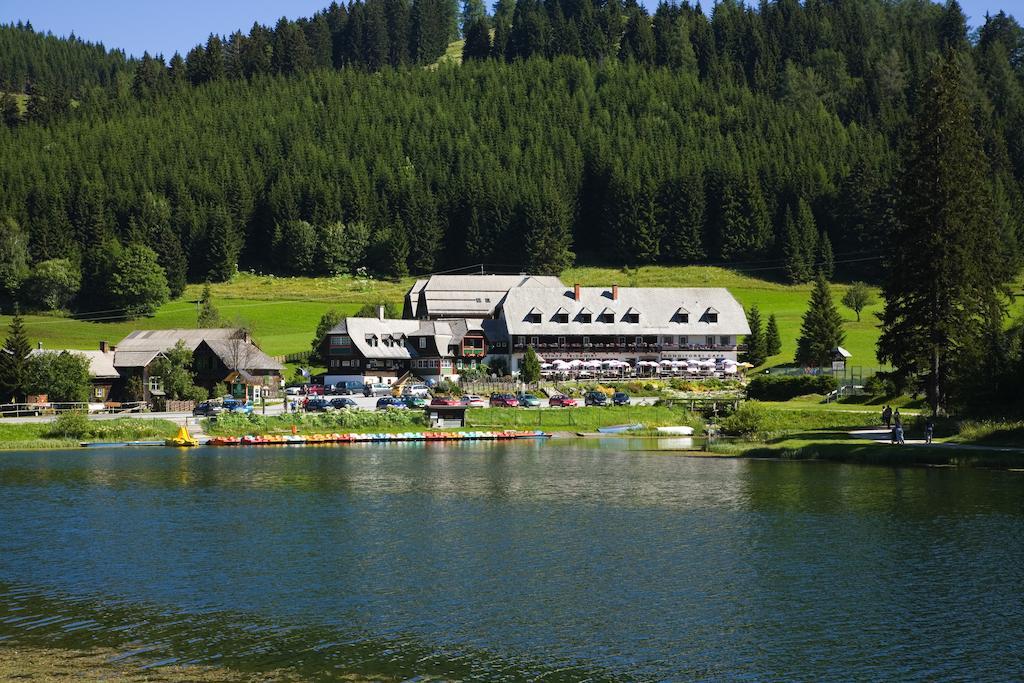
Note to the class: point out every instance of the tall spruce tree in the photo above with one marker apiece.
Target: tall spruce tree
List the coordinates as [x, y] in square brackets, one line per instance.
[14, 357]
[822, 328]
[772, 338]
[208, 316]
[757, 350]
[945, 279]
[826, 262]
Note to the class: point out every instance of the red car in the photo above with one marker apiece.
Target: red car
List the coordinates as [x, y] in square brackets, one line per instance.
[562, 402]
[504, 401]
[445, 401]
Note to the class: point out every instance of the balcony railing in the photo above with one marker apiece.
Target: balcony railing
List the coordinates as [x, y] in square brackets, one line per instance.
[626, 348]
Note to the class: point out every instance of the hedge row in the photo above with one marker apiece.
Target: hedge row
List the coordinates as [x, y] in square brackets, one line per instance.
[783, 388]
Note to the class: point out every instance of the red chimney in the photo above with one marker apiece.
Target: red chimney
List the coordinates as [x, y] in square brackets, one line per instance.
[576, 290]
[615, 292]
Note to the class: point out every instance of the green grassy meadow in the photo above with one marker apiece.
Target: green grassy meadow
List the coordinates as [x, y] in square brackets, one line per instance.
[283, 311]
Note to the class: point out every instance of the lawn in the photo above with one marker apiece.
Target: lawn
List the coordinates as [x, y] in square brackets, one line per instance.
[70, 430]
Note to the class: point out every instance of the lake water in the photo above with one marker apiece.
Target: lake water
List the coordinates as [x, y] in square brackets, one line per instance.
[560, 560]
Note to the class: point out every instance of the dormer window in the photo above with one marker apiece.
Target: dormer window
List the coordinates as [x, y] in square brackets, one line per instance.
[585, 316]
[607, 316]
[534, 316]
[682, 315]
[561, 316]
[711, 315]
[632, 316]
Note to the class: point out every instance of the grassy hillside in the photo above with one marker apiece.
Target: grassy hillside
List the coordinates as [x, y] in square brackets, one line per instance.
[283, 312]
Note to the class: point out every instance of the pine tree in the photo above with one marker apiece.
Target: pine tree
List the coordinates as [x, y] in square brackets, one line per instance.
[209, 316]
[529, 371]
[826, 263]
[756, 343]
[545, 232]
[681, 215]
[222, 247]
[772, 339]
[822, 328]
[14, 357]
[943, 293]
[478, 40]
[638, 39]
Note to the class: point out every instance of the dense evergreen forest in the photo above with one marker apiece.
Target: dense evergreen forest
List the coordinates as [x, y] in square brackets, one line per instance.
[574, 130]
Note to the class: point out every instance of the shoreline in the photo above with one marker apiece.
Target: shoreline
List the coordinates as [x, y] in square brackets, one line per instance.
[941, 454]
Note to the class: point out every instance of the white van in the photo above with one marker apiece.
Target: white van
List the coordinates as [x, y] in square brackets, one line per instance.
[417, 390]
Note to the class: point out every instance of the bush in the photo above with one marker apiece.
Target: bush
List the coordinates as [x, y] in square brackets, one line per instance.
[78, 426]
[881, 385]
[783, 388]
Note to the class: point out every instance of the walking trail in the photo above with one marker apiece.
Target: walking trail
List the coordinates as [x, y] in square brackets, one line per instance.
[884, 436]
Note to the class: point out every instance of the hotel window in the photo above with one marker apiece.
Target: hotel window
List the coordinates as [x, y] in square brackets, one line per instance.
[710, 341]
[561, 341]
[684, 317]
[632, 317]
[586, 318]
[606, 318]
[724, 341]
[639, 341]
[712, 317]
[684, 341]
[533, 341]
[520, 341]
[334, 362]
[562, 317]
[586, 341]
[423, 342]
[620, 341]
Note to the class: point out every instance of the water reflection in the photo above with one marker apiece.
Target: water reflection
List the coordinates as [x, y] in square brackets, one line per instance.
[571, 560]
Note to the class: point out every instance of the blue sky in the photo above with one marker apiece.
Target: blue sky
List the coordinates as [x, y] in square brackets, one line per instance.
[163, 27]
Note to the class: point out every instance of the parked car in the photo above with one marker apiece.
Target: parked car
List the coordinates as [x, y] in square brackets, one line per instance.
[390, 402]
[206, 409]
[417, 390]
[293, 391]
[316, 405]
[233, 405]
[376, 390]
[341, 403]
[528, 400]
[562, 401]
[414, 401]
[314, 389]
[620, 398]
[445, 401]
[473, 401]
[595, 398]
[504, 401]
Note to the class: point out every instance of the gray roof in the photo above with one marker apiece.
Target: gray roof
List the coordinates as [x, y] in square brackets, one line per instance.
[659, 310]
[101, 364]
[244, 353]
[470, 295]
[140, 347]
[392, 335]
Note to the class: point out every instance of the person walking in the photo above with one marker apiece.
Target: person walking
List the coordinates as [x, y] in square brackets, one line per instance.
[899, 435]
[929, 431]
[897, 419]
[887, 416]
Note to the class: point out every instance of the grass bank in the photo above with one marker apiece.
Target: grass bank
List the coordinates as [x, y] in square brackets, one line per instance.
[390, 421]
[839, 447]
[70, 430]
[583, 419]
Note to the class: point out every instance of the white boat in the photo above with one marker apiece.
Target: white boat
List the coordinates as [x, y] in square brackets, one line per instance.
[676, 431]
